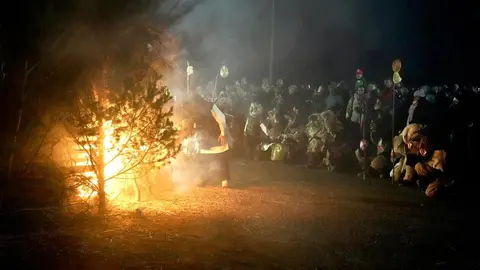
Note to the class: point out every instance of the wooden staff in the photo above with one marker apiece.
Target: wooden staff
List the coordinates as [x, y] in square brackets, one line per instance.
[396, 67]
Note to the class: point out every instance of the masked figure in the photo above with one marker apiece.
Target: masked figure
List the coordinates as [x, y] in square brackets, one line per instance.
[244, 98]
[315, 144]
[224, 102]
[321, 130]
[399, 158]
[359, 81]
[279, 84]
[241, 92]
[417, 111]
[374, 145]
[275, 140]
[203, 130]
[427, 161]
[356, 106]
[249, 88]
[294, 97]
[294, 132]
[400, 153]
[273, 124]
[252, 128]
[278, 87]
[386, 95]
[404, 93]
[292, 90]
[284, 143]
[318, 99]
[334, 102]
[278, 101]
[244, 82]
[266, 87]
[266, 95]
[232, 93]
[356, 110]
[334, 146]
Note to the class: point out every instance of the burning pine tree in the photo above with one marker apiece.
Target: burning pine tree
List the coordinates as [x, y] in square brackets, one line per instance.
[121, 121]
[93, 66]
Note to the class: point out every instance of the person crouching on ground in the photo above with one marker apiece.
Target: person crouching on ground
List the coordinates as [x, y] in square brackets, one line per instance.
[252, 128]
[427, 161]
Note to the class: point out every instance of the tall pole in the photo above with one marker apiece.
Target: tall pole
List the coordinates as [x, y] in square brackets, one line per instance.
[189, 72]
[272, 43]
[393, 131]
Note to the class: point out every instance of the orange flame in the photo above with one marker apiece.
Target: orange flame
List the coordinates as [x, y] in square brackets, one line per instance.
[114, 162]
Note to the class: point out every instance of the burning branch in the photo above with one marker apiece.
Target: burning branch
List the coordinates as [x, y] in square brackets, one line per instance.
[135, 135]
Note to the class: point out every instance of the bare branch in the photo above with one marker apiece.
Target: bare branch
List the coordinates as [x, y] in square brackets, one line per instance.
[29, 163]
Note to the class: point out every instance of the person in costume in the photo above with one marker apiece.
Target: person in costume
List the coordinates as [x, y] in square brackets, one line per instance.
[376, 146]
[315, 145]
[357, 107]
[419, 110]
[322, 130]
[425, 161]
[334, 101]
[206, 142]
[252, 130]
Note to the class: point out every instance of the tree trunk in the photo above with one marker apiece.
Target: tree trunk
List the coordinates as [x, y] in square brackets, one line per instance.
[19, 117]
[102, 200]
[14, 143]
[137, 189]
[102, 197]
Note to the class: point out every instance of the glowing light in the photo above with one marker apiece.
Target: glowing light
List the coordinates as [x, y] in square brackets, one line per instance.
[189, 69]
[191, 145]
[396, 78]
[224, 71]
[215, 150]
[115, 163]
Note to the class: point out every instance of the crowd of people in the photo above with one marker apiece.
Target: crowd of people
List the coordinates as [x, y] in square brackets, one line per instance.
[385, 131]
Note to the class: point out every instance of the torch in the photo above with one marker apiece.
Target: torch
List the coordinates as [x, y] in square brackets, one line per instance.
[396, 67]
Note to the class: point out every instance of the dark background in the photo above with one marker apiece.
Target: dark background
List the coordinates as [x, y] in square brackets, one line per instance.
[318, 41]
[315, 40]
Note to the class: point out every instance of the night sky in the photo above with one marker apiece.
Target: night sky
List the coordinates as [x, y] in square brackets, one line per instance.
[317, 41]
[321, 40]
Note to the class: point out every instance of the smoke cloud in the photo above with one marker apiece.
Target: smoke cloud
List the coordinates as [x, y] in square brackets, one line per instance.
[314, 40]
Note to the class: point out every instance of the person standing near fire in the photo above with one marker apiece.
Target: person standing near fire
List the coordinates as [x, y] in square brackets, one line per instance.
[206, 122]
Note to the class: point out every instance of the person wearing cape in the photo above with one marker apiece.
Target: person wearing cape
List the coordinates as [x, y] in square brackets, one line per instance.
[206, 123]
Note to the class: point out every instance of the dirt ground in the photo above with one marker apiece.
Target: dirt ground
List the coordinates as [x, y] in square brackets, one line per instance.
[272, 217]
